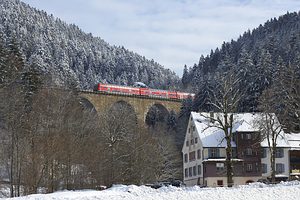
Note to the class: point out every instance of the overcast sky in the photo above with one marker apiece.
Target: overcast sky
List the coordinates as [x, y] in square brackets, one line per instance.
[171, 32]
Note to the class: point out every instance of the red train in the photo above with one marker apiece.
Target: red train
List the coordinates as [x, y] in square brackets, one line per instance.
[142, 91]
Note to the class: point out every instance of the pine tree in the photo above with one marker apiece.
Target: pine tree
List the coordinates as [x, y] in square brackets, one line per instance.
[171, 121]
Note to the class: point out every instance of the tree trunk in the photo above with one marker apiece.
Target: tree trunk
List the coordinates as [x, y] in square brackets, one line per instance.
[273, 165]
[12, 167]
[229, 163]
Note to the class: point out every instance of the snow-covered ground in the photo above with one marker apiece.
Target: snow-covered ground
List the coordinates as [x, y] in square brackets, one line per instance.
[257, 191]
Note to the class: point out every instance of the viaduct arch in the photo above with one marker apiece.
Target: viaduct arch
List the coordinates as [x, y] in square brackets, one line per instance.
[141, 104]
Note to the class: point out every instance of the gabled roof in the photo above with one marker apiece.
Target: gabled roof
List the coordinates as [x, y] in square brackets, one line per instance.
[294, 140]
[211, 136]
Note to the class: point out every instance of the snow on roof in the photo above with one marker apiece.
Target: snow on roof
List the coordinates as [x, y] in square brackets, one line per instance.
[213, 136]
[140, 84]
[279, 176]
[294, 140]
[222, 160]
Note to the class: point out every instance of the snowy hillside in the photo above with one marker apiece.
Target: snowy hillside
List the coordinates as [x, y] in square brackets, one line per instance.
[68, 54]
[287, 191]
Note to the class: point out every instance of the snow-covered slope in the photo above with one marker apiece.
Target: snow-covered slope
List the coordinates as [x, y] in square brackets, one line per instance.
[68, 54]
[284, 190]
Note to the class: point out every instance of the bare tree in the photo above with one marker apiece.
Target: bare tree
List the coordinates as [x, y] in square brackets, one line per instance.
[226, 98]
[56, 132]
[169, 159]
[269, 127]
[117, 131]
[145, 157]
[11, 113]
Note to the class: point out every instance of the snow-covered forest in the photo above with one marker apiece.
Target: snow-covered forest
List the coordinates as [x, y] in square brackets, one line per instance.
[258, 58]
[70, 55]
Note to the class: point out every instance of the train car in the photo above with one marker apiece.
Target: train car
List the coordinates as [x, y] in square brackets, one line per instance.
[144, 92]
[172, 95]
[135, 91]
[101, 87]
[117, 89]
[158, 93]
[183, 95]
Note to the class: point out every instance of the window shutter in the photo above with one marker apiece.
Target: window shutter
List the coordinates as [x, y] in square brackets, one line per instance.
[283, 170]
[282, 153]
[266, 168]
[209, 152]
[218, 152]
[265, 153]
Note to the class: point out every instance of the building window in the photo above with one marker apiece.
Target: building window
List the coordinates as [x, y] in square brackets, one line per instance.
[249, 167]
[192, 156]
[264, 168]
[185, 157]
[280, 168]
[263, 153]
[220, 166]
[194, 171]
[192, 141]
[187, 143]
[248, 151]
[198, 154]
[242, 136]
[279, 153]
[186, 172]
[248, 136]
[196, 140]
[199, 169]
[189, 130]
[190, 171]
[214, 153]
[193, 128]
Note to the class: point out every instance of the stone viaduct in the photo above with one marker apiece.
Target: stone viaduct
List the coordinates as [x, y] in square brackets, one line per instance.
[102, 102]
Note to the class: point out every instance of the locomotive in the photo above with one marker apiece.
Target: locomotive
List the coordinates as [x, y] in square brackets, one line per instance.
[117, 89]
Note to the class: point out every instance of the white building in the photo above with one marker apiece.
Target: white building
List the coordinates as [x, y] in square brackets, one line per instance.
[204, 152]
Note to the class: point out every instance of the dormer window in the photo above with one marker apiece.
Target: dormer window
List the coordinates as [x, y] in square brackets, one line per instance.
[214, 153]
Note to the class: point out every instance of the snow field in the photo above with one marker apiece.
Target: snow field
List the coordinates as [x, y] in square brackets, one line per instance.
[284, 190]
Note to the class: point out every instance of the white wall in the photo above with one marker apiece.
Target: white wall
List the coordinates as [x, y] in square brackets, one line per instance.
[284, 160]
